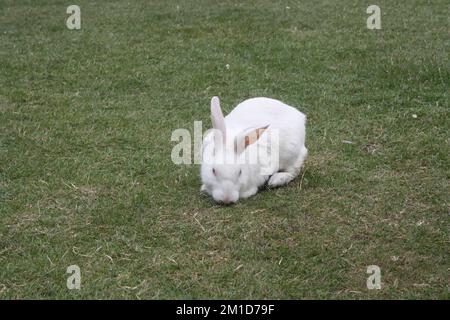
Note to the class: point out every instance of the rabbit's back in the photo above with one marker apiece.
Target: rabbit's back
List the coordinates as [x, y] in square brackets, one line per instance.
[287, 120]
[263, 111]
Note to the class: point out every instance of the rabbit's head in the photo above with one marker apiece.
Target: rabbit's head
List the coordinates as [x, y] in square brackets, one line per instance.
[227, 167]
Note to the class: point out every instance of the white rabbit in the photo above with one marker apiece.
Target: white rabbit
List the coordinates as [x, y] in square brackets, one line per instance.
[266, 127]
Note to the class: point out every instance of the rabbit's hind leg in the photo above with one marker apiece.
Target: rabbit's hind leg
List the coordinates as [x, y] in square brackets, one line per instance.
[284, 177]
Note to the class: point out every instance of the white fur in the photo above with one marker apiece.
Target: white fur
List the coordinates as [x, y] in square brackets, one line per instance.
[227, 185]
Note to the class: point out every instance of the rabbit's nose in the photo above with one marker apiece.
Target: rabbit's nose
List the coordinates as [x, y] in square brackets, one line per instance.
[226, 200]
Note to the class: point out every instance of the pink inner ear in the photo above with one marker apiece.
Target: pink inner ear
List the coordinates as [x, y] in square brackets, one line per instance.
[250, 137]
[253, 136]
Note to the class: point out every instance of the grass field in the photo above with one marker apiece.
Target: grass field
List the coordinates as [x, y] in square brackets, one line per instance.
[86, 176]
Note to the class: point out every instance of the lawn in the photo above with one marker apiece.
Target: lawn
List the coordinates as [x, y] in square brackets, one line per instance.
[86, 176]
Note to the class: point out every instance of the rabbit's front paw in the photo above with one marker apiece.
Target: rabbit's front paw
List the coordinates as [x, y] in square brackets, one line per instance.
[248, 193]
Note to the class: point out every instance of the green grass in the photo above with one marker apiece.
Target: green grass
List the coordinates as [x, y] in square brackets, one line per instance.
[86, 176]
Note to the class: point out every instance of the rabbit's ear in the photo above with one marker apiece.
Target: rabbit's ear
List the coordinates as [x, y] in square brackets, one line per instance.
[218, 121]
[249, 137]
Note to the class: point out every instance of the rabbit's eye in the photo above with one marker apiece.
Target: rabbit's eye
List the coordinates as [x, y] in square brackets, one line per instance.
[214, 171]
[240, 172]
